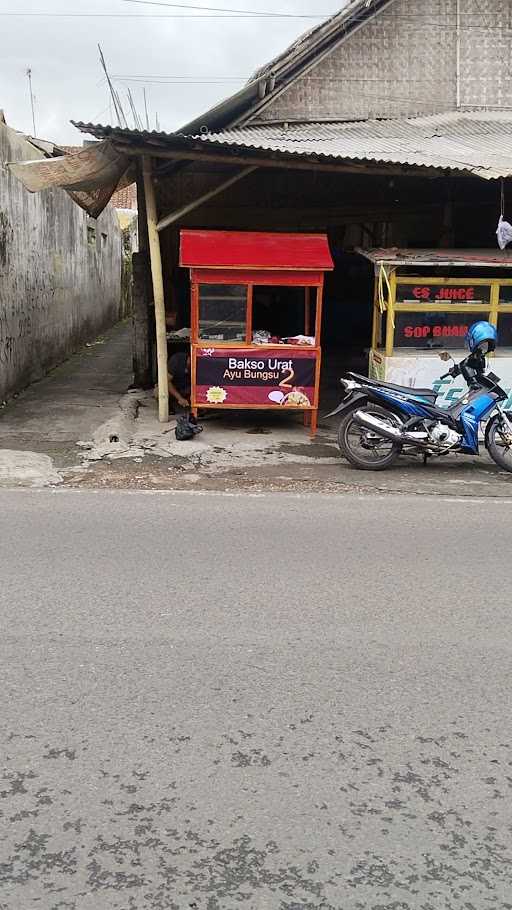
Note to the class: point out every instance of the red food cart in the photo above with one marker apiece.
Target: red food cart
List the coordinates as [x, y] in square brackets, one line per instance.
[256, 311]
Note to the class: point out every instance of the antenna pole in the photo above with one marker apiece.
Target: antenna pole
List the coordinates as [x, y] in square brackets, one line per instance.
[29, 76]
[146, 109]
[121, 118]
[136, 119]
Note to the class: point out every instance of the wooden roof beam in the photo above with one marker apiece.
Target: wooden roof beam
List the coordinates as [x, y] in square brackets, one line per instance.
[205, 156]
[172, 217]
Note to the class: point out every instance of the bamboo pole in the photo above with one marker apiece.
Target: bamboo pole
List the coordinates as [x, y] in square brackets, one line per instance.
[155, 255]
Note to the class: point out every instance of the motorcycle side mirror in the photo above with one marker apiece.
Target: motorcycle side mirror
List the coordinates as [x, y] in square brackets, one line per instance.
[445, 355]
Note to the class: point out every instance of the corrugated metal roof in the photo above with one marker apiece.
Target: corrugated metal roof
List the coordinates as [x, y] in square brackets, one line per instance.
[106, 131]
[436, 257]
[469, 142]
[480, 143]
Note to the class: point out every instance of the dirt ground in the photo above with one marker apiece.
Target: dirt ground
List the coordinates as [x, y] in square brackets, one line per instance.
[84, 427]
[152, 473]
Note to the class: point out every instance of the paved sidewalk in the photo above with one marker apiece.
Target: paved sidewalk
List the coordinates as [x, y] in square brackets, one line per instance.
[51, 415]
[82, 427]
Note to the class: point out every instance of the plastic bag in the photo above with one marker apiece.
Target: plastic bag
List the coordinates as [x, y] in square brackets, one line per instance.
[186, 427]
[504, 233]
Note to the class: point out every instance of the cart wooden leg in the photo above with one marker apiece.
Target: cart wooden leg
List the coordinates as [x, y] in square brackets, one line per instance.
[307, 418]
[314, 423]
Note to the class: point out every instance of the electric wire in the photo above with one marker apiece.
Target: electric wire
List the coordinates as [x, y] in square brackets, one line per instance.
[148, 16]
[444, 26]
[221, 9]
[433, 98]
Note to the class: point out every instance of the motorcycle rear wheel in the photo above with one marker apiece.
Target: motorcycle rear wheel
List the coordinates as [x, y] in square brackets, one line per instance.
[499, 445]
[364, 449]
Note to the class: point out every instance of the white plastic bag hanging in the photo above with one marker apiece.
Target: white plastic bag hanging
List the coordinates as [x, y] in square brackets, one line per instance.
[504, 233]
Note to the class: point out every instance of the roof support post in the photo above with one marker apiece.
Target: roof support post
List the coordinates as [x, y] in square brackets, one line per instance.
[186, 209]
[155, 255]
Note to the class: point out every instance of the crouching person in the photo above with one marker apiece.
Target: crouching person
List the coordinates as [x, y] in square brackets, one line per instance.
[179, 383]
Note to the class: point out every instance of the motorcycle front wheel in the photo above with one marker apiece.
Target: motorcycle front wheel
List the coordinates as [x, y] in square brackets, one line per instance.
[365, 449]
[499, 444]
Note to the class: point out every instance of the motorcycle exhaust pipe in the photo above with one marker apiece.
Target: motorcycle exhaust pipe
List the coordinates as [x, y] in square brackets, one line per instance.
[395, 434]
[373, 423]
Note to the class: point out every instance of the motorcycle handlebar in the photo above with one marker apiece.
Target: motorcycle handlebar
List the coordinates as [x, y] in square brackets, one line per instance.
[453, 373]
[470, 368]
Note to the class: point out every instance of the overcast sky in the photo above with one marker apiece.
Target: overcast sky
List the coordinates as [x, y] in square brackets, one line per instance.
[145, 42]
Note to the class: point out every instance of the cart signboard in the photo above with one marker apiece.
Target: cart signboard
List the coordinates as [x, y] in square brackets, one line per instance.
[425, 293]
[423, 331]
[271, 377]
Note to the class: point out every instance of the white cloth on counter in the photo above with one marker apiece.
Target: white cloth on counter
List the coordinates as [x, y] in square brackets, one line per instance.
[301, 339]
[264, 337]
[180, 334]
[261, 337]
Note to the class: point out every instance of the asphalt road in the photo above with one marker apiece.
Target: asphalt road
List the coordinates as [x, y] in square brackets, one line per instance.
[275, 703]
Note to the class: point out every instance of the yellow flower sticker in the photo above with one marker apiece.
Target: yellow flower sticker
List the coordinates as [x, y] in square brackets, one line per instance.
[216, 395]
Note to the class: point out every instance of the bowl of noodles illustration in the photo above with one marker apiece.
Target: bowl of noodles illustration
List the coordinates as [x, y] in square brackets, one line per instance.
[297, 398]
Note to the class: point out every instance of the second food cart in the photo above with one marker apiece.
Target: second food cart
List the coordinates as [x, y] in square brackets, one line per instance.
[425, 302]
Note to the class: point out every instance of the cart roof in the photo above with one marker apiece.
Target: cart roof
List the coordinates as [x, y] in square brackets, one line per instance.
[255, 250]
[474, 258]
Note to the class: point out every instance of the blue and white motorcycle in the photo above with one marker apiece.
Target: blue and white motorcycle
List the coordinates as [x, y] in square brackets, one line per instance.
[381, 420]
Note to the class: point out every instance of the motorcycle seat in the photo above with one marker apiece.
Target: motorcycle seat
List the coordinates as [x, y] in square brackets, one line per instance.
[428, 394]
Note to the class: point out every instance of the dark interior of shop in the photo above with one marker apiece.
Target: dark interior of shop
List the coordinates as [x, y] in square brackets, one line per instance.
[280, 312]
[355, 211]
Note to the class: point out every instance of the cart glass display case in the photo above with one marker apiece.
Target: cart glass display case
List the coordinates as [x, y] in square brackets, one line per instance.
[256, 304]
[425, 302]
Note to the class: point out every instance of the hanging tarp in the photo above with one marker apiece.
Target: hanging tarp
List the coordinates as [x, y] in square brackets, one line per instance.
[90, 176]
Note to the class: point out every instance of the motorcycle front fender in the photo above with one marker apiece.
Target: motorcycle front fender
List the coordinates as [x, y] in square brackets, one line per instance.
[348, 404]
[496, 418]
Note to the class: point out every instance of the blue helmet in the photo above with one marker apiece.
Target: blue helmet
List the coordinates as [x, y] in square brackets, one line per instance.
[482, 336]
